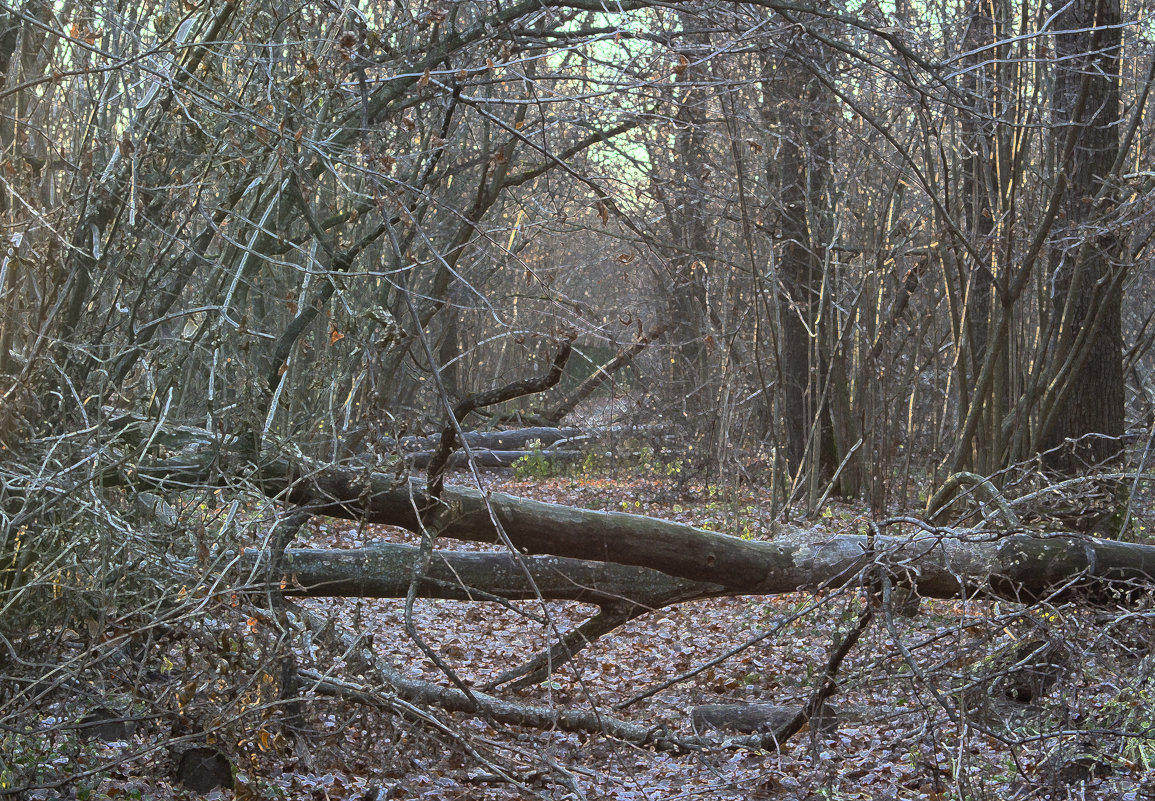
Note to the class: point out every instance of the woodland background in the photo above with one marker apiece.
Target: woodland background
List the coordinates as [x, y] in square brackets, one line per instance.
[848, 304]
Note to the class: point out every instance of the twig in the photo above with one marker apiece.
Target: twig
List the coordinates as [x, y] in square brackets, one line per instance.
[982, 485]
[515, 389]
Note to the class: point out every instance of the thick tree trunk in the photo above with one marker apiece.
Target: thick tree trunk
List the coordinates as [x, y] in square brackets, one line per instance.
[976, 264]
[386, 570]
[1022, 567]
[629, 565]
[938, 562]
[797, 105]
[1086, 289]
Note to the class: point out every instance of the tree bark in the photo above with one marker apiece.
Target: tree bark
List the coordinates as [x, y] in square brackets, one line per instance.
[688, 244]
[938, 563]
[384, 570]
[1084, 401]
[797, 105]
[976, 263]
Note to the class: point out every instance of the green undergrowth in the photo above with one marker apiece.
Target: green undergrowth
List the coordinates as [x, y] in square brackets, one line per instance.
[635, 459]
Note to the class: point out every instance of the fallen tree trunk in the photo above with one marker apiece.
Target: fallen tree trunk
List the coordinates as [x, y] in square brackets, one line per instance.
[383, 570]
[489, 458]
[519, 438]
[628, 564]
[935, 562]
[513, 439]
[940, 563]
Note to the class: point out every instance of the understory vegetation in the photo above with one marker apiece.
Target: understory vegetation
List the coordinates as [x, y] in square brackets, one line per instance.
[939, 699]
[464, 399]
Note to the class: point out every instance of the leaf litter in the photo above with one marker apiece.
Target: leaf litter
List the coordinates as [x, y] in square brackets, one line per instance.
[907, 727]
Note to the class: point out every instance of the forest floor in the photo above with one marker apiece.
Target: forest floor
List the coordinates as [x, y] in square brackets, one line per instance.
[895, 739]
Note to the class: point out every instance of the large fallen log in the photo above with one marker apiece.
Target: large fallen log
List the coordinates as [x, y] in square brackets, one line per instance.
[491, 458]
[937, 562]
[627, 564]
[513, 439]
[384, 570]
